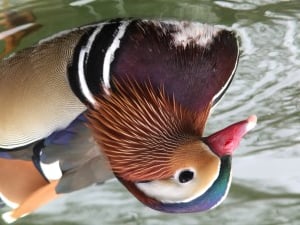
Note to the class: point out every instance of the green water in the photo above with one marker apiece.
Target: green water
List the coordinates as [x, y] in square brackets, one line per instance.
[266, 177]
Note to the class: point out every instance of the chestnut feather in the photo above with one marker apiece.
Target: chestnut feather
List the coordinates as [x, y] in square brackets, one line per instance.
[138, 127]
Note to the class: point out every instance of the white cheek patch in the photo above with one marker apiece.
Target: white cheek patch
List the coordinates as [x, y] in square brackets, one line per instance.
[170, 191]
[161, 192]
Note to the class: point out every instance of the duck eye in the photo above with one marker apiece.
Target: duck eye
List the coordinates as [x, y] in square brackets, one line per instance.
[185, 176]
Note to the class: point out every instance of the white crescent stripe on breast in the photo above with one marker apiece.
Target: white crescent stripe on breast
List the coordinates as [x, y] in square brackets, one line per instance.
[81, 63]
[109, 56]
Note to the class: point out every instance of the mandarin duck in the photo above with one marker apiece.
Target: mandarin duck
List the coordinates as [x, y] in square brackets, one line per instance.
[127, 98]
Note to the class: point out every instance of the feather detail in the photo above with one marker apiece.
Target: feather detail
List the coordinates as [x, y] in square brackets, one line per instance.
[138, 127]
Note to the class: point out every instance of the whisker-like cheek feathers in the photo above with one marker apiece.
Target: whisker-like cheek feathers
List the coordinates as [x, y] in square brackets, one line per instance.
[138, 128]
[128, 149]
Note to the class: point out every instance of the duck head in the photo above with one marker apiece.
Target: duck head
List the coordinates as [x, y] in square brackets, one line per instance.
[149, 115]
[157, 150]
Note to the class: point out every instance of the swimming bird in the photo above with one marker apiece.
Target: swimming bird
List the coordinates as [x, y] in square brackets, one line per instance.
[127, 98]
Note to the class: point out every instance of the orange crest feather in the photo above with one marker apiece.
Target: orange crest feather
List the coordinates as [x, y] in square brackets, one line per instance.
[138, 128]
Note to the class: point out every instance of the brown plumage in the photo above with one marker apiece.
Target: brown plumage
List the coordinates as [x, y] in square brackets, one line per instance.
[139, 128]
